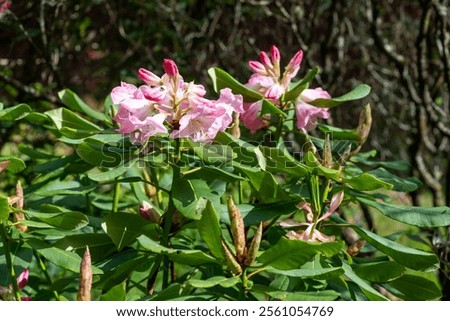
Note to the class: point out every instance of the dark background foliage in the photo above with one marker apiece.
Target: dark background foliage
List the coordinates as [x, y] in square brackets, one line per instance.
[400, 48]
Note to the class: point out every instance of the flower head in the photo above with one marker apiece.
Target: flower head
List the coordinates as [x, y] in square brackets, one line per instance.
[169, 105]
[22, 280]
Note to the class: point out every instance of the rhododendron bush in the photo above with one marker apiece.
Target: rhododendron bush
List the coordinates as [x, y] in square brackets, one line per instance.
[242, 191]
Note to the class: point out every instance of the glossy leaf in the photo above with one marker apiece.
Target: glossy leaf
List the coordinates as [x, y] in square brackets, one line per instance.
[188, 257]
[297, 88]
[339, 133]
[4, 209]
[365, 287]
[111, 174]
[16, 165]
[125, 228]
[66, 221]
[210, 231]
[366, 182]
[316, 274]
[72, 125]
[415, 288]
[116, 293]
[414, 215]
[291, 254]
[71, 100]
[15, 113]
[215, 280]
[379, 272]
[278, 160]
[358, 92]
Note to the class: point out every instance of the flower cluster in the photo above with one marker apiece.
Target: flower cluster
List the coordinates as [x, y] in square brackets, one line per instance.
[169, 105]
[268, 81]
[6, 294]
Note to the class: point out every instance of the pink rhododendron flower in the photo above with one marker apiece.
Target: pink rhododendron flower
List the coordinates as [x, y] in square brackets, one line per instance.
[169, 105]
[268, 81]
[311, 234]
[307, 115]
[4, 5]
[22, 280]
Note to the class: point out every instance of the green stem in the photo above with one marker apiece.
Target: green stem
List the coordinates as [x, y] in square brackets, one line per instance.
[116, 197]
[279, 131]
[45, 272]
[9, 264]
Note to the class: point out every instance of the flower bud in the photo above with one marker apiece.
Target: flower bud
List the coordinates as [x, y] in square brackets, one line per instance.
[257, 67]
[170, 67]
[3, 165]
[297, 59]
[237, 230]
[264, 58]
[149, 77]
[275, 54]
[230, 259]
[147, 211]
[18, 216]
[327, 156]
[84, 291]
[254, 246]
[365, 122]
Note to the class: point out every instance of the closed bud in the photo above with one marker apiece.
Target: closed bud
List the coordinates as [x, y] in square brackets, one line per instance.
[275, 53]
[235, 129]
[257, 67]
[254, 246]
[84, 291]
[365, 123]
[19, 216]
[149, 77]
[170, 67]
[147, 211]
[237, 230]
[327, 156]
[3, 165]
[230, 259]
[264, 58]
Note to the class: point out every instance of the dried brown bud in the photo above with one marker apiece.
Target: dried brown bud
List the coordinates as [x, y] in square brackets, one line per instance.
[230, 259]
[84, 292]
[235, 130]
[254, 246]
[355, 248]
[237, 230]
[18, 216]
[365, 123]
[327, 156]
[3, 165]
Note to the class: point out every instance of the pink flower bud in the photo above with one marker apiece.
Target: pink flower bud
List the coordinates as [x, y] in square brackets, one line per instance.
[297, 59]
[275, 53]
[4, 5]
[257, 67]
[149, 77]
[264, 58]
[147, 211]
[22, 280]
[170, 67]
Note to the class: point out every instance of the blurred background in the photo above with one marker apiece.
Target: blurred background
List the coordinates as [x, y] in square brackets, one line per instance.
[400, 48]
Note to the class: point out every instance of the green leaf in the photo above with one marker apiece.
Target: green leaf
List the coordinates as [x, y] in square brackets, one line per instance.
[324, 295]
[399, 184]
[66, 221]
[301, 85]
[291, 254]
[100, 245]
[314, 166]
[215, 280]
[415, 288]
[217, 155]
[209, 228]
[221, 79]
[339, 133]
[184, 199]
[206, 172]
[367, 289]
[15, 113]
[363, 158]
[278, 160]
[64, 259]
[409, 257]
[316, 274]
[4, 209]
[100, 154]
[366, 182]
[72, 125]
[116, 293]
[16, 165]
[379, 272]
[111, 174]
[413, 215]
[54, 164]
[71, 100]
[125, 228]
[188, 257]
[358, 92]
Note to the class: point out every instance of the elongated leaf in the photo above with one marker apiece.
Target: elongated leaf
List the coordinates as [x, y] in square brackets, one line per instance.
[188, 257]
[16, 165]
[15, 113]
[415, 288]
[215, 154]
[101, 154]
[366, 182]
[278, 160]
[399, 184]
[339, 133]
[125, 228]
[72, 125]
[215, 280]
[291, 254]
[254, 214]
[363, 158]
[358, 92]
[113, 173]
[116, 293]
[414, 215]
[316, 274]
[71, 100]
[209, 229]
[100, 245]
[409, 257]
[66, 221]
[64, 259]
[209, 172]
[4, 209]
[314, 166]
[324, 295]
[379, 272]
[367, 289]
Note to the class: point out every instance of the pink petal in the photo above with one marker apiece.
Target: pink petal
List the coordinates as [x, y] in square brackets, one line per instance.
[22, 280]
[257, 67]
[170, 67]
[149, 77]
[275, 53]
[291, 223]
